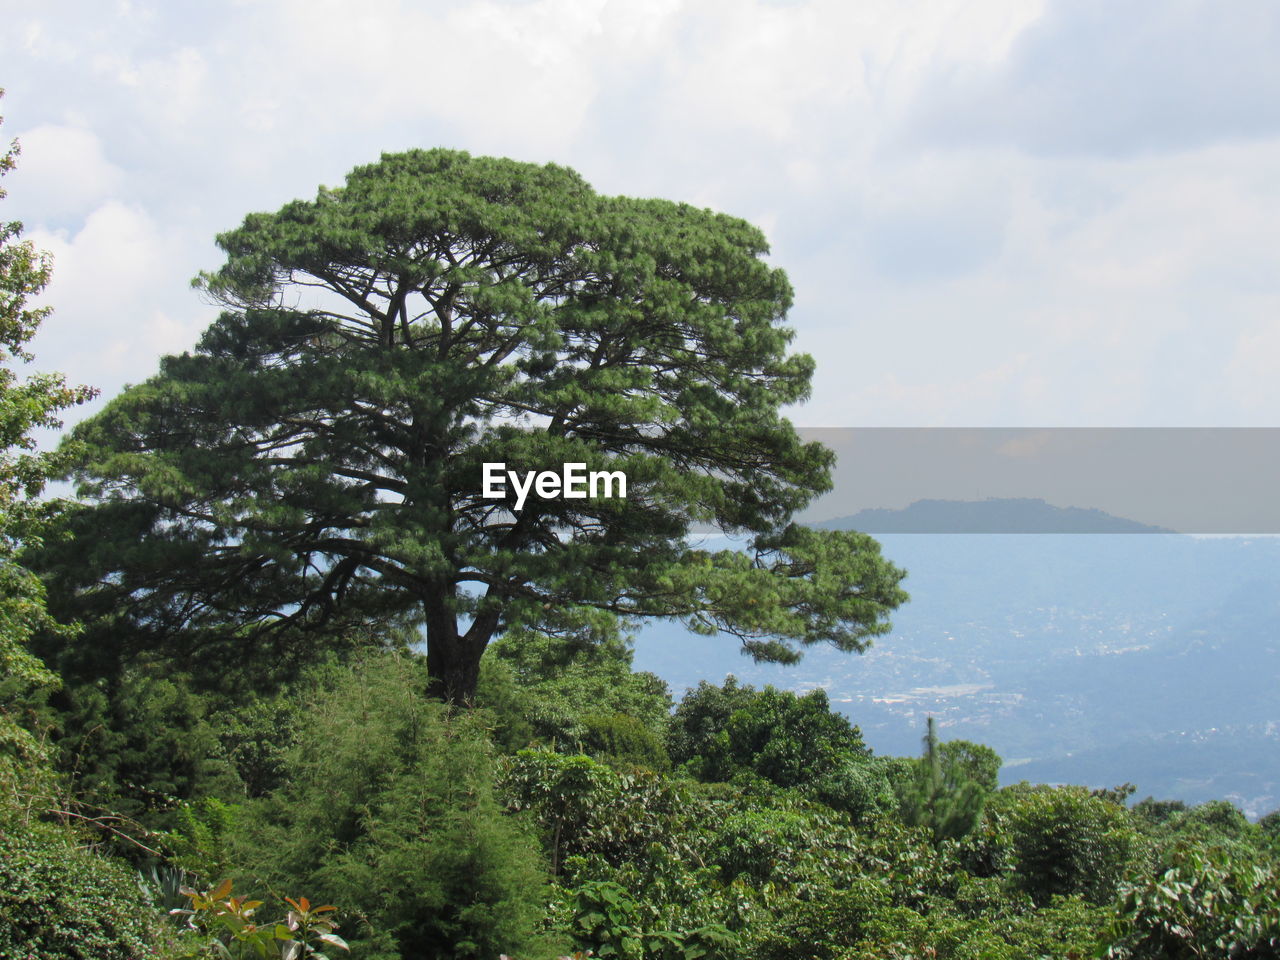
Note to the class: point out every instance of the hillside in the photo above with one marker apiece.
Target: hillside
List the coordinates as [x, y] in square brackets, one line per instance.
[994, 515]
[1087, 659]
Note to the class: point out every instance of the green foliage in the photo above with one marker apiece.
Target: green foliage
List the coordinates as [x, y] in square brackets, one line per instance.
[255, 737]
[141, 744]
[230, 928]
[569, 796]
[950, 786]
[607, 830]
[1270, 824]
[149, 744]
[1216, 820]
[856, 785]
[839, 922]
[624, 741]
[765, 845]
[971, 762]
[609, 922]
[1064, 841]
[200, 844]
[59, 901]
[1067, 927]
[389, 810]
[56, 899]
[868, 919]
[1204, 902]
[840, 890]
[586, 807]
[1154, 813]
[1119, 795]
[572, 691]
[790, 740]
[320, 453]
[25, 406]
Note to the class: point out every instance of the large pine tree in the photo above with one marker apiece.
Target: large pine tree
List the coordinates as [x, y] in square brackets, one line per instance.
[321, 450]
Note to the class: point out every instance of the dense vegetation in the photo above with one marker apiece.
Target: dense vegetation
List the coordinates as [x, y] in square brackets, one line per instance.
[571, 810]
[176, 782]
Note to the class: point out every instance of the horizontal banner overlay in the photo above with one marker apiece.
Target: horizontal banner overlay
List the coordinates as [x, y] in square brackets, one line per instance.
[1210, 480]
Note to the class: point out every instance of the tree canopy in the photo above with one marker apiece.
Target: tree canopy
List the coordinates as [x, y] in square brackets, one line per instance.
[320, 453]
[25, 405]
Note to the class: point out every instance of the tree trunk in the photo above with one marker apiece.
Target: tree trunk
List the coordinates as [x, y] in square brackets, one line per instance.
[453, 659]
[453, 666]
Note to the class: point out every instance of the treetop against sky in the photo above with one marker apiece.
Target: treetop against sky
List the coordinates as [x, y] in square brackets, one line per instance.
[309, 461]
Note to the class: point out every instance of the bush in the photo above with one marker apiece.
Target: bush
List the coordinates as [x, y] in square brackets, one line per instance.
[624, 741]
[390, 813]
[1216, 820]
[59, 900]
[790, 740]
[608, 921]
[545, 690]
[1270, 824]
[764, 845]
[1205, 902]
[140, 742]
[585, 807]
[1066, 842]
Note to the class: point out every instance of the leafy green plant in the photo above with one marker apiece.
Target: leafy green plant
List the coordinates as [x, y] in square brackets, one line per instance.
[608, 922]
[390, 810]
[60, 901]
[623, 741]
[790, 740]
[1064, 841]
[229, 927]
[563, 690]
[945, 796]
[26, 405]
[1206, 903]
[199, 843]
[587, 807]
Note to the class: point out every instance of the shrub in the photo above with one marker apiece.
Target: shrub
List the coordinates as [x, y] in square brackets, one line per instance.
[791, 740]
[59, 900]
[390, 813]
[624, 741]
[555, 690]
[1066, 842]
[1205, 903]
[1216, 820]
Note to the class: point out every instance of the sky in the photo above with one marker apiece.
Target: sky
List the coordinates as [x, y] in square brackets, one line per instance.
[995, 213]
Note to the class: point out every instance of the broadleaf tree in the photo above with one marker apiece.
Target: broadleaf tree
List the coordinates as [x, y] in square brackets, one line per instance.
[321, 450]
[26, 405]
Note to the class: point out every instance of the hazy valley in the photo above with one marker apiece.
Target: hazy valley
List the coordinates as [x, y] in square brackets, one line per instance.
[1094, 658]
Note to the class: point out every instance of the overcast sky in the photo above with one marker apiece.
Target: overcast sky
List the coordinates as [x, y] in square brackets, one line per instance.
[994, 212]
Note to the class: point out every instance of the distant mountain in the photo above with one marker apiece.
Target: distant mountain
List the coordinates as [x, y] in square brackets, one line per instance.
[1081, 659]
[1014, 515]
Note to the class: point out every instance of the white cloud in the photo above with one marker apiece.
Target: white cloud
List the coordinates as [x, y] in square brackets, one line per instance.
[117, 297]
[62, 170]
[1098, 77]
[1254, 371]
[1008, 211]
